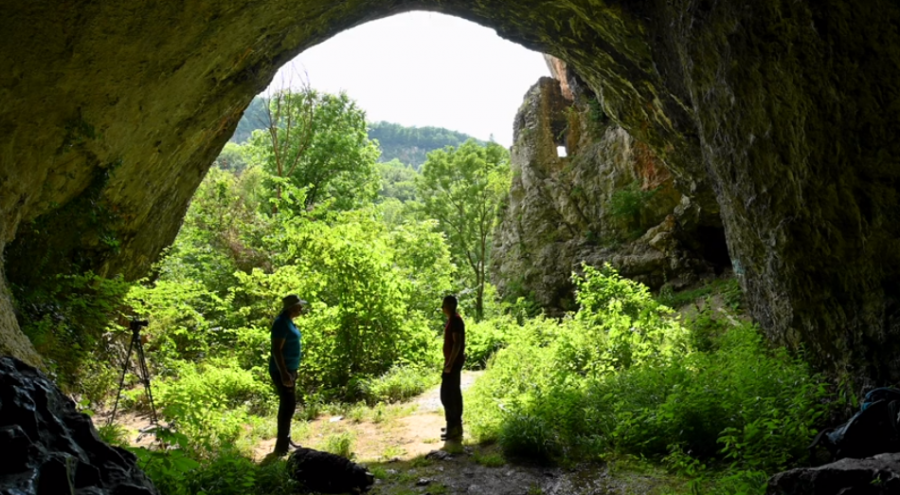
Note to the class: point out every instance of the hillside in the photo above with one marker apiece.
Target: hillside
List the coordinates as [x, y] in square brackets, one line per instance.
[411, 144]
[407, 144]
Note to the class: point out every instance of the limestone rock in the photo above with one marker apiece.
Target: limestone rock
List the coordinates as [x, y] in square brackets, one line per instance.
[48, 447]
[879, 475]
[561, 211]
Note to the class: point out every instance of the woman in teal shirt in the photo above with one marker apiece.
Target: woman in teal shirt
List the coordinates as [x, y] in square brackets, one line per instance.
[283, 364]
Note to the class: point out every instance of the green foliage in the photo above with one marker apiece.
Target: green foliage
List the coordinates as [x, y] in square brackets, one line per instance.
[622, 376]
[340, 444]
[489, 459]
[72, 324]
[486, 337]
[318, 142]
[233, 157]
[397, 181]
[462, 189]
[399, 384]
[175, 472]
[629, 204]
[208, 402]
[113, 434]
[411, 144]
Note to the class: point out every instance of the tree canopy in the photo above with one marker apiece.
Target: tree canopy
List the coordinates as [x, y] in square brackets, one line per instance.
[462, 189]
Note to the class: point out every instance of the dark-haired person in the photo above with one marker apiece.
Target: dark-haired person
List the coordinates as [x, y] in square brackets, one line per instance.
[454, 358]
[283, 364]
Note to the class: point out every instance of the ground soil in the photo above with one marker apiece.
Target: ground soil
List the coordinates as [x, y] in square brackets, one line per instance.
[407, 456]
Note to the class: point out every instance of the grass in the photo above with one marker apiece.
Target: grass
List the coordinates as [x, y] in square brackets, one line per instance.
[392, 451]
[728, 288]
[340, 444]
[492, 459]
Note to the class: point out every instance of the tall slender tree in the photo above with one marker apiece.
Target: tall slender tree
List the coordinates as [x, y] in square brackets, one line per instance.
[462, 189]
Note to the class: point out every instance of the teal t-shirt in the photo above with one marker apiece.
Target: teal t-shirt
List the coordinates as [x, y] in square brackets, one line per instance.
[284, 328]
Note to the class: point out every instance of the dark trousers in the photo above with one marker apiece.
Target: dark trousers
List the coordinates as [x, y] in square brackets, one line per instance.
[451, 398]
[287, 403]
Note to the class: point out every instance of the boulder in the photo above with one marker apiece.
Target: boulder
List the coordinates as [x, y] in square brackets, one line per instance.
[50, 448]
[879, 475]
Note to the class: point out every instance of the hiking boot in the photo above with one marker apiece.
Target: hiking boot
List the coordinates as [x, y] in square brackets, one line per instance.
[453, 433]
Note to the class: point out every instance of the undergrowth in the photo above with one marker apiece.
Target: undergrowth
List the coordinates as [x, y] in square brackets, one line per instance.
[624, 377]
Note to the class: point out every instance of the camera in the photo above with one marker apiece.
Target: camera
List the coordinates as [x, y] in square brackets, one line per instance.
[136, 325]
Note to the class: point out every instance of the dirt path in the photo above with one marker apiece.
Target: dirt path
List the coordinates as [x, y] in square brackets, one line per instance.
[401, 445]
[402, 432]
[404, 451]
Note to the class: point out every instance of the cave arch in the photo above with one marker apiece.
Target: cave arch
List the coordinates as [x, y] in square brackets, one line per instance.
[780, 114]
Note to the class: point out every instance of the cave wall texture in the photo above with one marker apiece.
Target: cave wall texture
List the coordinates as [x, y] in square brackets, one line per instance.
[782, 114]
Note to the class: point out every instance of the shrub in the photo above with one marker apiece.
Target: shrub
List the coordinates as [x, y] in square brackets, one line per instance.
[174, 472]
[71, 321]
[486, 337]
[621, 376]
[211, 403]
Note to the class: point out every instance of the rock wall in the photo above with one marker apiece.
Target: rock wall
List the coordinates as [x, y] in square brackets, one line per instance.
[50, 448]
[781, 113]
[608, 199]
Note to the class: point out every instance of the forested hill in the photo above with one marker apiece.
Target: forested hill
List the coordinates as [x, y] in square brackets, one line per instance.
[254, 118]
[411, 144]
[407, 144]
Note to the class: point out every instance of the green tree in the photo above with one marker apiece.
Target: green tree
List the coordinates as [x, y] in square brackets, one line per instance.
[232, 157]
[462, 189]
[411, 144]
[397, 181]
[318, 141]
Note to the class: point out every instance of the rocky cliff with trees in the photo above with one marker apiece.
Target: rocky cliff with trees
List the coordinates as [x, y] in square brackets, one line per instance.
[585, 191]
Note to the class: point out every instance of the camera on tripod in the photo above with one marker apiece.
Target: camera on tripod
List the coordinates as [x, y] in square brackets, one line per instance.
[141, 369]
[136, 325]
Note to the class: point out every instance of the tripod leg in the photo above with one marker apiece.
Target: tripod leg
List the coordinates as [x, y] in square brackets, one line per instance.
[121, 382]
[145, 379]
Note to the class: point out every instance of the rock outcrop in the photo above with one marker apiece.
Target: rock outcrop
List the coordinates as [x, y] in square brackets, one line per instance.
[879, 475]
[782, 114]
[50, 448]
[609, 198]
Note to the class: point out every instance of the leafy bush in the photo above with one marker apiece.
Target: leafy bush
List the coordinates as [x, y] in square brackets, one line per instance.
[630, 204]
[72, 323]
[211, 404]
[175, 472]
[486, 337]
[621, 376]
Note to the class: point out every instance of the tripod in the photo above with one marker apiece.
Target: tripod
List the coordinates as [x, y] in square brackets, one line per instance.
[142, 371]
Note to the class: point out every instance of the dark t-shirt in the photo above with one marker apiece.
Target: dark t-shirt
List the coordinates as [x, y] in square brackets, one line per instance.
[455, 325]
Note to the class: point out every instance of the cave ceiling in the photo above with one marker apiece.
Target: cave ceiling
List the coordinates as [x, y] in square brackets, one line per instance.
[778, 117]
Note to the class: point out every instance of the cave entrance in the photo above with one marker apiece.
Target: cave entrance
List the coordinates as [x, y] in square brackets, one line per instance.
[714, 248]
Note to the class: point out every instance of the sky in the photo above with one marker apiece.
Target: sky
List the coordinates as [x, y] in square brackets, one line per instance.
[425, 69]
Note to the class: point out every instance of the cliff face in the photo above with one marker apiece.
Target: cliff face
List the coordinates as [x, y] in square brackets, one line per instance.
[609, 198]
[782, 114]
